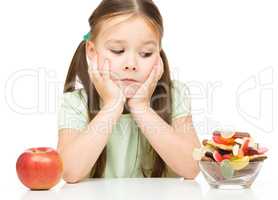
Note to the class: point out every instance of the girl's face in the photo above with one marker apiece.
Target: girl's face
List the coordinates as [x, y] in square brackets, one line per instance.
[132, 47]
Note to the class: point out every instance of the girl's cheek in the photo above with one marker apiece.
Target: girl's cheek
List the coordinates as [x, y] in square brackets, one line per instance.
[114, 74]
[115, 69]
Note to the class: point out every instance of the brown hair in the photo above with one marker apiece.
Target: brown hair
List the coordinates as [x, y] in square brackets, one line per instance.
[79, 70]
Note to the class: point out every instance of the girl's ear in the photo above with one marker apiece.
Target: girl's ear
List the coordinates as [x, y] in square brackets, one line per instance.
[90, 50]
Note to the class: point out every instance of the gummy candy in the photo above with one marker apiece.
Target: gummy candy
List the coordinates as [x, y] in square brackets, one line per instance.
[233, 151]
[226, 169]
[220, 140]
[239, 163]
[227, 134]
[217, 156]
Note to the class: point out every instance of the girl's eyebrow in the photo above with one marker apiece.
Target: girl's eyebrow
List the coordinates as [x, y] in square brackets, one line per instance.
[124, 42]
[150, 42]
[115, 41]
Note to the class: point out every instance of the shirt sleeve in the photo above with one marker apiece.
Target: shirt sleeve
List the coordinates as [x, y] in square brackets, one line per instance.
[72, 112]
[181, 101]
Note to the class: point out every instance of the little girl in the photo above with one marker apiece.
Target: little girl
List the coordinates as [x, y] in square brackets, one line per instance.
[129, 119]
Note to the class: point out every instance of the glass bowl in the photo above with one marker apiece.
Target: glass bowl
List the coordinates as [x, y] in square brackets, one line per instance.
[241, 179]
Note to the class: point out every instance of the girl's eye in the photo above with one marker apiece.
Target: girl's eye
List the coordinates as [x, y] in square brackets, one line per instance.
[146, 54]
[117, 51]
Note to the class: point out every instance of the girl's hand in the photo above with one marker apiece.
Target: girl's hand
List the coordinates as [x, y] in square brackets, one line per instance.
[141, 99]
[110, 93]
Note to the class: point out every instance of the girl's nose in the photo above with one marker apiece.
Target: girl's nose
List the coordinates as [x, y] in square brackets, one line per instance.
[130, 68]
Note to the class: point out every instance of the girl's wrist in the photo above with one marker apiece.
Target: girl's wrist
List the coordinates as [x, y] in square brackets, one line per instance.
[138, 107]
[113, 107]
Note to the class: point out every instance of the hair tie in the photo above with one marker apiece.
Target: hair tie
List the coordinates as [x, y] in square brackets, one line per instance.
[87, 36]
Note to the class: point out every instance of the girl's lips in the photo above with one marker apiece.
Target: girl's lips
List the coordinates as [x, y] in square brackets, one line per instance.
[128, 81]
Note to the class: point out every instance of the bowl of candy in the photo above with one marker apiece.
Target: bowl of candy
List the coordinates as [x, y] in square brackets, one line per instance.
[230, 160]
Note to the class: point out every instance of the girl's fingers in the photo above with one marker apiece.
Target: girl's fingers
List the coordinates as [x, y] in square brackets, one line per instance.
[93, 70]
[151, 77]
[160, 68]
[106, 70]
[95, 62]
[92, 64]
[95, 75]
[156, 73]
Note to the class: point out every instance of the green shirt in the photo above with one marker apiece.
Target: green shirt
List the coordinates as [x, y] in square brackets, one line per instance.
[124, 144]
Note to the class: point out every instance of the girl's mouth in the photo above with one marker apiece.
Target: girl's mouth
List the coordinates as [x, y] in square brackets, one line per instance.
[128, 81]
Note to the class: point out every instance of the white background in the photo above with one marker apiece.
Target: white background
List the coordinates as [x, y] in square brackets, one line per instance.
[226, 51]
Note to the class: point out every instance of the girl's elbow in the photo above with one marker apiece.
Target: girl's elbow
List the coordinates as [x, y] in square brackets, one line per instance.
[192, 174]
[71, 178]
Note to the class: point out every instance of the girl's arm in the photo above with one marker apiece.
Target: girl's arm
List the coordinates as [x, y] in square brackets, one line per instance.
[80, 149]
[173, 143]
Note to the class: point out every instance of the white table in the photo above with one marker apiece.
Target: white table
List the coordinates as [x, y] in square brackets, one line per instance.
[264, 188]
[148, 188]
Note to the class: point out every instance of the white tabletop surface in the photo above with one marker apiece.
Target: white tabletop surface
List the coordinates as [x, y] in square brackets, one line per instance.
[140, 188]
[264, 187]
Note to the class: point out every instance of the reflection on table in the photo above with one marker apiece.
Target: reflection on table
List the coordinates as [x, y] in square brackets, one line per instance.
[137, 188]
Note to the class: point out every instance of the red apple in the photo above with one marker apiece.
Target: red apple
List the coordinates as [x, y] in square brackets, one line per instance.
[39, 168]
